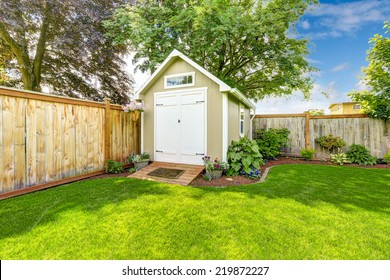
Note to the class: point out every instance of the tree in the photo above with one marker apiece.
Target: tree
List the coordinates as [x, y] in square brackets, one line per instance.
[376, 101]
[61, 44]
[316, 112]
[246, 43]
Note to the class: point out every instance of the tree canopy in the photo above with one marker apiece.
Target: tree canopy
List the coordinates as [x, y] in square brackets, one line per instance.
[247, 43]
[376, 101]
[61, 44]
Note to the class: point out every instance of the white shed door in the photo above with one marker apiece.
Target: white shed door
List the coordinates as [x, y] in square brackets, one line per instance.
[180, 127]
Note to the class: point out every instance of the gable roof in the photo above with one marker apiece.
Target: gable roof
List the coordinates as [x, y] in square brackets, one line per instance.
[223, 87]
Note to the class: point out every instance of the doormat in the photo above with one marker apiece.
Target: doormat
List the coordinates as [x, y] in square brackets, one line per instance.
[168, 173]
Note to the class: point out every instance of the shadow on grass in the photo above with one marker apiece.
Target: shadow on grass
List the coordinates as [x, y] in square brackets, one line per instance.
[342, 186]
[21, 214]
[348, 188]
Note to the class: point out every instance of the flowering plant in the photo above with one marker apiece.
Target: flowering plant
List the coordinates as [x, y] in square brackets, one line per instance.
[214, 165]
[134, 105]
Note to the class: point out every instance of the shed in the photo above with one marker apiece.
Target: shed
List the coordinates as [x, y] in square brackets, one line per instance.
[190, 113]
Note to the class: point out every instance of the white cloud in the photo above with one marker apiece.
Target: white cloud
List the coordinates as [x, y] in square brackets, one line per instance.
[340, 67]
[346, 18]
[305, 24]
[321, 97]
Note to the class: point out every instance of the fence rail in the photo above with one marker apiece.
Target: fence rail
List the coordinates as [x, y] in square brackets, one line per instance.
[374, 134]
[45, 138]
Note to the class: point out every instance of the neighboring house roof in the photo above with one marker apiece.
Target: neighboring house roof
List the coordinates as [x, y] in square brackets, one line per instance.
[341, 103]
[223, 87]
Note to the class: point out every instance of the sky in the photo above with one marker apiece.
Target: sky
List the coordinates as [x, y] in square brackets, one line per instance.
[339, 32]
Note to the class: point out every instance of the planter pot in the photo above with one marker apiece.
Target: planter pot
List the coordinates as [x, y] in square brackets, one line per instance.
[141, 164]
[215, 174]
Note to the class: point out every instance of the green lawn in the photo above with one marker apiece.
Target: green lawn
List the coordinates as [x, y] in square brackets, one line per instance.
[300, 212]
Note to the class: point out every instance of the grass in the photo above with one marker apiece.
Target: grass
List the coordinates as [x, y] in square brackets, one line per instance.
[300, 212]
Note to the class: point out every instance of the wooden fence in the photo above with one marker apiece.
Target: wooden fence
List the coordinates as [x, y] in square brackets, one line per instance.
[374, 134]
[47, 140]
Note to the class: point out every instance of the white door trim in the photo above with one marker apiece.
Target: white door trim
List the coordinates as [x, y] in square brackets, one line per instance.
[225, 124]
[176, 92]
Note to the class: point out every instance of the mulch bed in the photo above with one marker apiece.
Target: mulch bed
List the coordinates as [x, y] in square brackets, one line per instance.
[242, 180]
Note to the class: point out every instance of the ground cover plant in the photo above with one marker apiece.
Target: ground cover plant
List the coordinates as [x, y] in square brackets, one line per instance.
[299, 212]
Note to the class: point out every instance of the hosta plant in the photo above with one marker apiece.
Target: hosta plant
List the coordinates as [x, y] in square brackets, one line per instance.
[339, 158]
[360, 155]
[243, 156]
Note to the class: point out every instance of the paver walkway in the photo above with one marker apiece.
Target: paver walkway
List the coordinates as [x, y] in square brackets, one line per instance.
[190, 173]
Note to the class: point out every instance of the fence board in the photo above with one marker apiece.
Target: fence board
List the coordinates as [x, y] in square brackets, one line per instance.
[1, 147]
[371, 133]
[9, 144]
[44, 139]
[20, 160]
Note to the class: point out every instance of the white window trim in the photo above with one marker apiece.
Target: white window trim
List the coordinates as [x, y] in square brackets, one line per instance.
[178, 75]
[242, 110]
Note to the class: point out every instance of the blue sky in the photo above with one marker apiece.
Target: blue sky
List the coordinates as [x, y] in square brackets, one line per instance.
[339, 32]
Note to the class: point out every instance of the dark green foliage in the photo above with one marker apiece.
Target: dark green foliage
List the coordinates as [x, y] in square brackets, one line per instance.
[114, 167]
[247, 44]
[243, 156]
[308, 154]
[271, 141]
[376, 101]
[361, 155]
[330, 142]
[61, 44]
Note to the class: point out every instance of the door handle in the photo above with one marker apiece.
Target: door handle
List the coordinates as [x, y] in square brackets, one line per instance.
[178, 121]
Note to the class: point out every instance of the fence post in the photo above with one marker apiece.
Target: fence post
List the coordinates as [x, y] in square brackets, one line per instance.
[307, 131]
[107, 130]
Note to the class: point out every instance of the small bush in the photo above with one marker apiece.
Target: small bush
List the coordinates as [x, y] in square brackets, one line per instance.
[339, 158]
[330, 142]
[386, 158]
[308, 154]
[114, 167]
[271, 141]
[243, 155]
[360, 155]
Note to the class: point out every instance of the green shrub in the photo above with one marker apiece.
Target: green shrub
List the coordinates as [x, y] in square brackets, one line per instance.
[330, 142]
[339, 158]
[386, 158]
[114, 167]
[361, 155]
[308, 154]
[243, 156]
[271, 141]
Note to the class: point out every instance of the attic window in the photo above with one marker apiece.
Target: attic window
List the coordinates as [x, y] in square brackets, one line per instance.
[179, 80]
[357, 107]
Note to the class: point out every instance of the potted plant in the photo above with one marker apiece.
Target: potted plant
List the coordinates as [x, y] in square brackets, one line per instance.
[139, 160]
[135, 107]
[214, 168]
